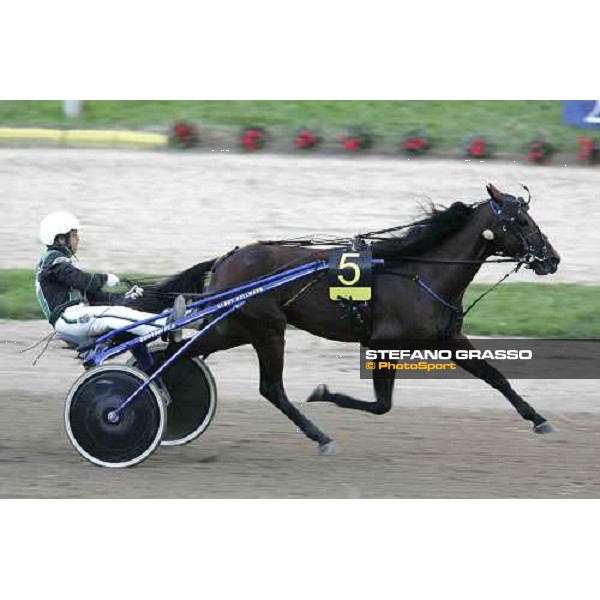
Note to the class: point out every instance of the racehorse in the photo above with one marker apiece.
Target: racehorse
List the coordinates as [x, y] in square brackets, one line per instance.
[417, 296]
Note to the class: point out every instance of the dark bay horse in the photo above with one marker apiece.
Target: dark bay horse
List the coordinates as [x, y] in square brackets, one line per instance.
[445, 249]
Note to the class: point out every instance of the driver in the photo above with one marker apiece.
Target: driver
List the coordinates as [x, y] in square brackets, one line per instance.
[73, 301]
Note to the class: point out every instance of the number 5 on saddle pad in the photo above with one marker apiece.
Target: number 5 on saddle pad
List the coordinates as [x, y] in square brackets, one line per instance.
[350, 275]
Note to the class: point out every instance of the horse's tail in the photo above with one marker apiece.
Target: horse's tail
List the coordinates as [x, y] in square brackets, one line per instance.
[159, 294]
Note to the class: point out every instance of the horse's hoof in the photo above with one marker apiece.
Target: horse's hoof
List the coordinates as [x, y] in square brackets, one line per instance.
[544, 427]
[328, 449]
[318, 394]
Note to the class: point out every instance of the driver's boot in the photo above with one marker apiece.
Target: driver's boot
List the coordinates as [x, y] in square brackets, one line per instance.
[179, 310]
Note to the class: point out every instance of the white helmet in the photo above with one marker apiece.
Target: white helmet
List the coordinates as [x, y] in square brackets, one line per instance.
[55, 223]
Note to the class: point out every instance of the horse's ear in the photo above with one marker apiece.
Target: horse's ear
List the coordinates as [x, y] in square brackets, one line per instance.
[495, 193]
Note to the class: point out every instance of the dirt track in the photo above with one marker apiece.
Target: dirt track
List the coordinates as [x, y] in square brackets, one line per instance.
[455, 439]
[162, 212]
[250, 452]
[475, 446]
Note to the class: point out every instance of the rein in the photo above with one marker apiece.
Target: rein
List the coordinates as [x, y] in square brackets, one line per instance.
[506, 222]
[453, 261]
[482, 296]
[455, 309]
[200, 295]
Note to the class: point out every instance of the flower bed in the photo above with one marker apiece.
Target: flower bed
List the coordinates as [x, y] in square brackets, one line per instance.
[478, 146]
[416, 142]
[306, 139]
[356, 139]
[254, 138]
[539, 151]
[184, 135]
[589, 152]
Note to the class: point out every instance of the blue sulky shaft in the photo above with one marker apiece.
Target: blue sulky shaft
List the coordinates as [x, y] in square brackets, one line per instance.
[217, 302]
[277, 279]
[114, 415]
[245, 291]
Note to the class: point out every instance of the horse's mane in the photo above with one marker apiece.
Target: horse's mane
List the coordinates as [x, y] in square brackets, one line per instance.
[436, 224]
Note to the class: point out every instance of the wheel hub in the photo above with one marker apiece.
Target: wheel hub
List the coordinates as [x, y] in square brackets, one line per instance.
[113, 417]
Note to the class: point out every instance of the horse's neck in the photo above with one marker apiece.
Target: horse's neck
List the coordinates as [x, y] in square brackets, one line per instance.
[452, 279]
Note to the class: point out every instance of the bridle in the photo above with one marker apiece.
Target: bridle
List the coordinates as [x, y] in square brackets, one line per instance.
[508, 214]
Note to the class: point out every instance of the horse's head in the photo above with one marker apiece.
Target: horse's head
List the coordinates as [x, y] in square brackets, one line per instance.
[514, 233]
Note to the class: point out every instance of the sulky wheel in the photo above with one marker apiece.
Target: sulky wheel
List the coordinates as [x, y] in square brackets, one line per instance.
[192, 397]
[127, 440]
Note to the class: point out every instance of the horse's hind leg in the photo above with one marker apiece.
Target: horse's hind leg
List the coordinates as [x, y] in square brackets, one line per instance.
[383, 384]
[270, 351]
[483, 370]
[221, 337]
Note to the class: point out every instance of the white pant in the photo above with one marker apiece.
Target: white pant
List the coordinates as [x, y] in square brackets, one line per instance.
[91, 321]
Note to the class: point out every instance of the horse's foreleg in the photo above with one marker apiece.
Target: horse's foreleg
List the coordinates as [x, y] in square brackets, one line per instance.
[270, 351]
[483, 370]
[383, 384]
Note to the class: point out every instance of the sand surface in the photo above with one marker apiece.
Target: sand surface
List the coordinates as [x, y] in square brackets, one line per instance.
[164, 211]
[442, 439]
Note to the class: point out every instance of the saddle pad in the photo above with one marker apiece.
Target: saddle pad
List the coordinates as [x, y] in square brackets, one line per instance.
[350, 274]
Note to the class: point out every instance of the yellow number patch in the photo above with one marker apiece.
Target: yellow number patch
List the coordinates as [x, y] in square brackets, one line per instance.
[353, 271]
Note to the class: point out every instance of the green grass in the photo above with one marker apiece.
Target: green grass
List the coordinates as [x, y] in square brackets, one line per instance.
[509, 123]
[520, 309]
[559, 310]
[17, 295]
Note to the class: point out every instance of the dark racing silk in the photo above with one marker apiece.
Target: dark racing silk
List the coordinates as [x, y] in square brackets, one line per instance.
[58, 283]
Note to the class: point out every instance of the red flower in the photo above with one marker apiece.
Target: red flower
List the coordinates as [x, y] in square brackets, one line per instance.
[181, 130]
[356, 139]
[352, 144]
[413, 144]
[540, 151]
[306, 139]
[477, 147]
[184, 135]
[248, 141]
[253, 139]
[588, 151]
[417, 143]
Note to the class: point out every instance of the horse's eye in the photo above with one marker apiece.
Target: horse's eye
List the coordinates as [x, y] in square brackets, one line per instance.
[522, 221]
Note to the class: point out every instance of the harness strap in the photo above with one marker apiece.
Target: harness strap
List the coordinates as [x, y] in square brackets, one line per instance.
[435, 295]
[455, 309]
[495, 207]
